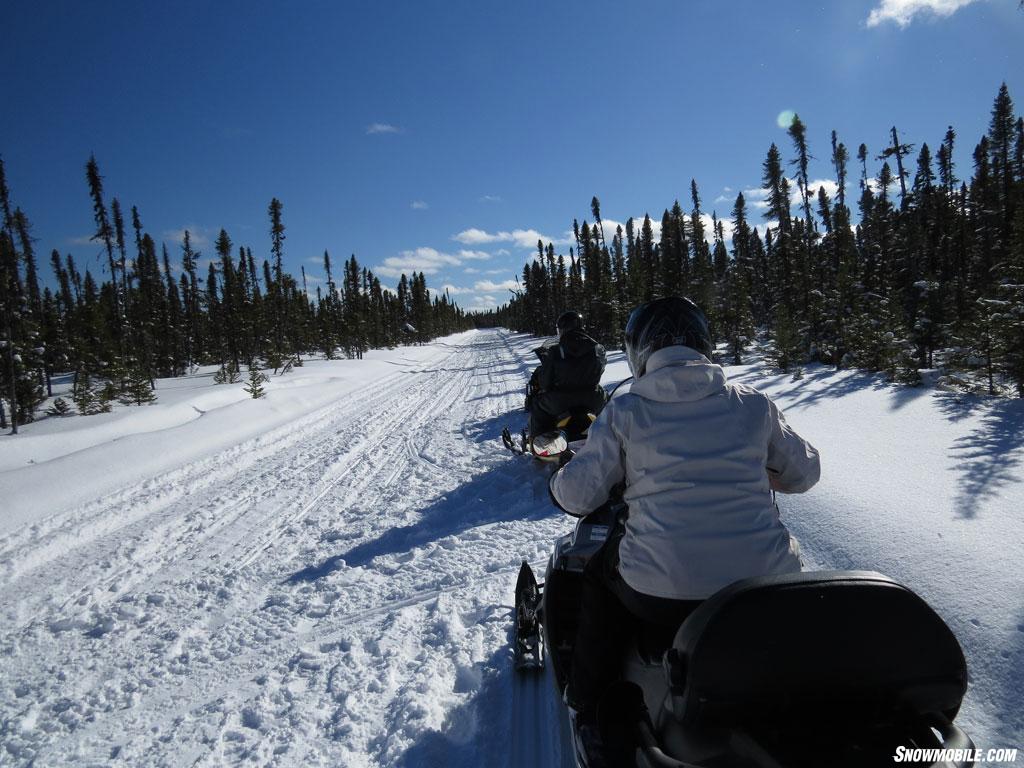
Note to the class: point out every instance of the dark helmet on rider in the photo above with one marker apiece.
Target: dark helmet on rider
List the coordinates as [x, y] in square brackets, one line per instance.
[661, 323]
[569, 321]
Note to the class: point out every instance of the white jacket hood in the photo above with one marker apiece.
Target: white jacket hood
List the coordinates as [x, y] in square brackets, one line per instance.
[679, 374]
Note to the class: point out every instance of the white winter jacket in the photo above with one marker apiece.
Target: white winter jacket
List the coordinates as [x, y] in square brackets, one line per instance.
[695, 453]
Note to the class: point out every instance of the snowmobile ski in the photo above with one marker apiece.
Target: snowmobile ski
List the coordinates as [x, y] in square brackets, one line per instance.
[528, 642]
[547, 447]
[510, 443]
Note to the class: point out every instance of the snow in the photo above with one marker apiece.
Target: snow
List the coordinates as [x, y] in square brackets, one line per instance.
[325, 576]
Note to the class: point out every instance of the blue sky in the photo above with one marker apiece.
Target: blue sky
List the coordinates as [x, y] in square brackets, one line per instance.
[447, 136]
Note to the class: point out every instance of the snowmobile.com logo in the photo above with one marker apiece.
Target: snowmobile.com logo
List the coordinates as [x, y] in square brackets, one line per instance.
[954, 756]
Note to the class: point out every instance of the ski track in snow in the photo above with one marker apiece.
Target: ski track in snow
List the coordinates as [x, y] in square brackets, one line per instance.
[334, 592]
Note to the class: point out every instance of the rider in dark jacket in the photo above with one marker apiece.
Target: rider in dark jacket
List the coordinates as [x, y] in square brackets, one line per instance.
[568, 377]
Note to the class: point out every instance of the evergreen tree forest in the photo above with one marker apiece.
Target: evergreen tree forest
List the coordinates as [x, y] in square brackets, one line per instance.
[151, 312]
[925, 268]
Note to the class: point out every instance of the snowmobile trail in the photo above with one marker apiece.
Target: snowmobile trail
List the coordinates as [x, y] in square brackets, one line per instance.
[335, 592]
[338, 591]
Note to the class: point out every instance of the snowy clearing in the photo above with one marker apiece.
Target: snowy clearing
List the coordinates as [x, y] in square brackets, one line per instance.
[325, 577]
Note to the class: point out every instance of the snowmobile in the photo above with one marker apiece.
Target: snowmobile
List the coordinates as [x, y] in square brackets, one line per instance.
[569, 431]
[830, 668]
[570, 427]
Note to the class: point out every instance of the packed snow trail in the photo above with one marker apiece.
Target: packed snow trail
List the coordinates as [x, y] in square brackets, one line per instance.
[337, 591]
[325, 577]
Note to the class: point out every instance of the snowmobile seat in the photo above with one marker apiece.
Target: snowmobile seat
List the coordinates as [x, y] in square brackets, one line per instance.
[814, 648]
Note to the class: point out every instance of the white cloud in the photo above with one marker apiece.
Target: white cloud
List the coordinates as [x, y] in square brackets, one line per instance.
[453, 290]
[488, 286]
[522, 238]
[902, 12]
[528, 238]
[610, 225]
[481, 304]
[709, 228]
[830, 185]
[490, 199]
[474, 236]
[726, 196]
[376, 128]
[756, 197]
[471, 271]
[638, 223]
[429, 261]
[200, 237]
[419, 205]
[469, 298]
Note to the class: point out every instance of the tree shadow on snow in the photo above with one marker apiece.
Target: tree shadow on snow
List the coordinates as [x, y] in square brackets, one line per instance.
[820, 383]
[811, 388]
[989, 458]
[508, 491]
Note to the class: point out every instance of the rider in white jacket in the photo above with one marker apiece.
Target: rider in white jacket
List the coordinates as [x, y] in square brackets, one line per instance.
[699, 457]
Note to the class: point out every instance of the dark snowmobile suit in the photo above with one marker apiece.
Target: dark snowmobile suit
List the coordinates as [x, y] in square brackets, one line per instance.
[568, 378]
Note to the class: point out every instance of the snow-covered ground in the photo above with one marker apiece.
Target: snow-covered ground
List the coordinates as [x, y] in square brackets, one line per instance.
[324, 577]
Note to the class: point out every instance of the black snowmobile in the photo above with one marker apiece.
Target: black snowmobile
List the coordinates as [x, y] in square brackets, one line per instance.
[831, 668]
[571, 427]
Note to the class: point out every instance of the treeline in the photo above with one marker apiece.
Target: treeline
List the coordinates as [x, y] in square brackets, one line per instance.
[931, 273]
[143, 320]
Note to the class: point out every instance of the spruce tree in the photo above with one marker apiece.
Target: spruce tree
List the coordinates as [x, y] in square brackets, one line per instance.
[105, 234]
[254, 386]
[702, 283]
[786, 349]
[277, 292]
[84, 396]
[138, 389]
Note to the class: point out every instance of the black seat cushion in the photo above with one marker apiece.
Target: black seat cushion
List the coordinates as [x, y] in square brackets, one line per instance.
[826, 646]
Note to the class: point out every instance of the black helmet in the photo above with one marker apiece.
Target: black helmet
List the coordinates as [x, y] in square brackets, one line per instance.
[569, 321]
[664, 323]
